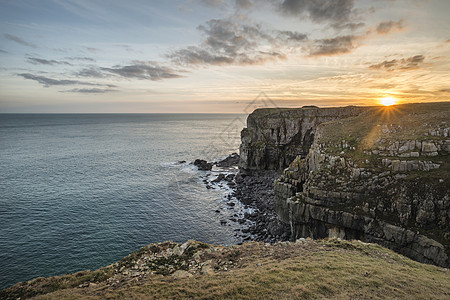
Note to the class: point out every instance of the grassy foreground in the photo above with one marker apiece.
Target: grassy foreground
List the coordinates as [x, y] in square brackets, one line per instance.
[305, 269]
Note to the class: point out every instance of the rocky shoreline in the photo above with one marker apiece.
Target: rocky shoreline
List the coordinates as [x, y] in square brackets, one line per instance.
[256, 191]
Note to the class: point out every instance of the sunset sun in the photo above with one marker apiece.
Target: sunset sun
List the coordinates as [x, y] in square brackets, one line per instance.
[388, 101]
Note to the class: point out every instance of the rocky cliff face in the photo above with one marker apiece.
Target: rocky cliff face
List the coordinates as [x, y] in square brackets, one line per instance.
[381, 176]
[274, 137]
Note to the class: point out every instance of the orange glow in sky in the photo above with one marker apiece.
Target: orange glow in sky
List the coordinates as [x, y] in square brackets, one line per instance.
[192, 56]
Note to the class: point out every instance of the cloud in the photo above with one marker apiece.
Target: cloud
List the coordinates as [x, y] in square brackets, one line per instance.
[41, 61]
[224, 4]
[81, 58]
[47, 82]
[143, 70]
[320, 11]
[404, 64]
[292, 36]
[333, 46]
[347, 43]
[388, 26]
[351, 26]
[92, 49]
[214, 3]
[90, 91]
[244, 4]
[237, 41]
[94, 72]
[229, 42]
[138, 70]
[3, 51]
[19, 40]
[445, 90]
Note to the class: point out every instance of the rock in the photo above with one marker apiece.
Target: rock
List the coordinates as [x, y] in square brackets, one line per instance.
[230, 161]
[319, 195]
[207, 268]
[428, 147]
[275, 137]
[414, 154]
[179, 274]
[229, 177]
[219, 178]
[203, 165]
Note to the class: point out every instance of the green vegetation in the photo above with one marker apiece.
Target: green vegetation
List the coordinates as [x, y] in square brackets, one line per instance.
[382, 125]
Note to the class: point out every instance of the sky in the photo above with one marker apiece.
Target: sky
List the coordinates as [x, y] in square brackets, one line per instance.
[219, 56]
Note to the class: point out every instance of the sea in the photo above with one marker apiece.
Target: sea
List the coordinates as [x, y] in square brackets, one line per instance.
[81, 191]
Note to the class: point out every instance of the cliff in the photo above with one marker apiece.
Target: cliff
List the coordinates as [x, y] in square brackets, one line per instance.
[304, 269]
[377, 174]
[275, 137]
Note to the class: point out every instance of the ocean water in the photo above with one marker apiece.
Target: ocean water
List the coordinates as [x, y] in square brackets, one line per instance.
[81, 191]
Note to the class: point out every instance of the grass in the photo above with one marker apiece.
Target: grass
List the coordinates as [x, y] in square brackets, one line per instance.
[411, 122]
[312, 270]
[43, 285]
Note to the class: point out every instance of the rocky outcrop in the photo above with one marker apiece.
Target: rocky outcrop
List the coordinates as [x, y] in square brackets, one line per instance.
[203, 165]
[274, 137]
[382, 176]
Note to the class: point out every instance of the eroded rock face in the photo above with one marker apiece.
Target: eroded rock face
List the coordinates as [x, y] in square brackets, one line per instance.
[274, 137]
[369, 177]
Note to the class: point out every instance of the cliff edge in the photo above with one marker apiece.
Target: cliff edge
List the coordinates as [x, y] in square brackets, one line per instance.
[274, 137]
[377, 174]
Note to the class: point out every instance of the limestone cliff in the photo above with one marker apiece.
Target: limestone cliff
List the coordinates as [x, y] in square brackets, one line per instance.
[274, 137]
[375, 174]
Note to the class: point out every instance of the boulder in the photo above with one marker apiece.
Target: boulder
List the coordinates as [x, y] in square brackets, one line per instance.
[203, 165]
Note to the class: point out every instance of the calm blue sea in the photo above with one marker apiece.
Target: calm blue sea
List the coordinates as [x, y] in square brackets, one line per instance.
[81, 191]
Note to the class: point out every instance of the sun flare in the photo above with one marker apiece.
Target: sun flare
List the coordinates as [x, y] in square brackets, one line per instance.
[388, 101]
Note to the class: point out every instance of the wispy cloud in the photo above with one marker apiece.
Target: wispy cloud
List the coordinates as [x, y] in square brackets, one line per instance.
[143, 70]
[92, 49]
[41, 61]
[347, 43]
[47, 82]
[244, 4]
[292, 36]
[389, 26]
[214, 3]
[404, 64]
[333, 46]
[19, 40]
[136, 70]
[3, 51]
[337, 12]
[93, 72]
[81, 58]
[90, 91]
